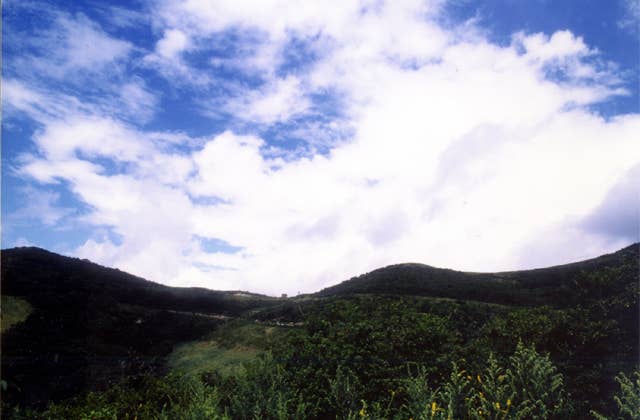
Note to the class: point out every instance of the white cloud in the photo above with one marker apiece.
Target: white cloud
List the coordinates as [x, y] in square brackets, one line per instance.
[138, 101]
[71, 49]
[121, 17]
[41, 206]
[172, 43]
[85, 46]
[18, 97]
[279, 101]
[560, 45]
[631, 19]
[463, 154]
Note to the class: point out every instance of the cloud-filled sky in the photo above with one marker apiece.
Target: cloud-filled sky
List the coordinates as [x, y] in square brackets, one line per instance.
[284, 146]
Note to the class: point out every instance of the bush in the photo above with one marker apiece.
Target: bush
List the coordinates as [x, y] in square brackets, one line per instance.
[529, 388]
[262, 391]
[173, 396]
[627, 400]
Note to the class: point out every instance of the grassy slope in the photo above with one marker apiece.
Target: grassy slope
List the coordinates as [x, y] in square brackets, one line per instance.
[224, 350]
[13, 310]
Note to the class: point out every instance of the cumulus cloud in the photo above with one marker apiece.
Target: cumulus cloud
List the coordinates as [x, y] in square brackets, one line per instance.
[172, 43]
[278, 102]
[458, 152]
[618, 215]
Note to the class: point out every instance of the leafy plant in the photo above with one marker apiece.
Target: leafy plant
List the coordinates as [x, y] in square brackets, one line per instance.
[529, 388]
[627, 399]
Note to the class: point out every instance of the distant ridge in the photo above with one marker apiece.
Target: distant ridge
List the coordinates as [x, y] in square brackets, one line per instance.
[38, 273]
[557, 285]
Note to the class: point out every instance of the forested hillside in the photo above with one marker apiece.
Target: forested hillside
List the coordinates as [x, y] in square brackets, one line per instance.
[91, 326]
[405, 341]
[562, 285]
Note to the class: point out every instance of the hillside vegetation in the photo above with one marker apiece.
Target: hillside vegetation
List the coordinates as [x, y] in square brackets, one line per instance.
[563, 285]
[92, 327]
[13, 310]
[405, 341]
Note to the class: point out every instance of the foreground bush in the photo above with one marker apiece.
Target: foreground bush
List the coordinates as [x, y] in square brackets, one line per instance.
[171, 397]
[525, 386]
[627, 399]
[529, 388]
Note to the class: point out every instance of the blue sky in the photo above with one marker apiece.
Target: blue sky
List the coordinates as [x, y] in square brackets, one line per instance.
[284, 146]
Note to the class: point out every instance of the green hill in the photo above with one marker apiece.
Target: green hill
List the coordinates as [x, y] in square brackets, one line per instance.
[562, 285]
[92, 326]
[78, 327]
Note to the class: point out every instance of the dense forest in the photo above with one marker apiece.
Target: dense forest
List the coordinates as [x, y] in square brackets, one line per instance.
[81, 341]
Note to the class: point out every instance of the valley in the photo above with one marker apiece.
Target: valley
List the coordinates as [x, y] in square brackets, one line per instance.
[78, 338]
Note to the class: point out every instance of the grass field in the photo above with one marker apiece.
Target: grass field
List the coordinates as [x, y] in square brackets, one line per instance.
[12, 311]
[224, 350]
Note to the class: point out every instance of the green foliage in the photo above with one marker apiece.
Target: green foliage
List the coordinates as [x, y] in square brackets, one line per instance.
[538, 388]
[345, 390]
[627, 399]
[532, 325]
[355, 356]
[12, 311]
[152, 398]
[225, 350]
[529, 388]
[372, 341]
[262, 391]
[420, 397]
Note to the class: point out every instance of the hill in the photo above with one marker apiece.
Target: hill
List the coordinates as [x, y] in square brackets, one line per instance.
[562, 285]
[92, 326]
[42, 276]
[71, 326]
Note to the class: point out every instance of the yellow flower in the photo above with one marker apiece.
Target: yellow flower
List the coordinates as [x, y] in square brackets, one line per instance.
[362, 412]
[479, 380]
[433, 408]
[498, 405]
[469, 377]
[508, 403]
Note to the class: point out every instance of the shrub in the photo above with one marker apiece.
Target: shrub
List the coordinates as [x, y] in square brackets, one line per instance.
[529, 388]
[627, 400]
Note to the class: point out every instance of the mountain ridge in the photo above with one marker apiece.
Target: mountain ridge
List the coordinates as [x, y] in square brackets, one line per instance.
[91, 327]
[631, 251]
[539, 286]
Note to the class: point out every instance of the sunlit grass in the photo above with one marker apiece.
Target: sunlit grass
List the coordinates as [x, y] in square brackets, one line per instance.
[12, 311]
[207, 356]
[225, 350]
